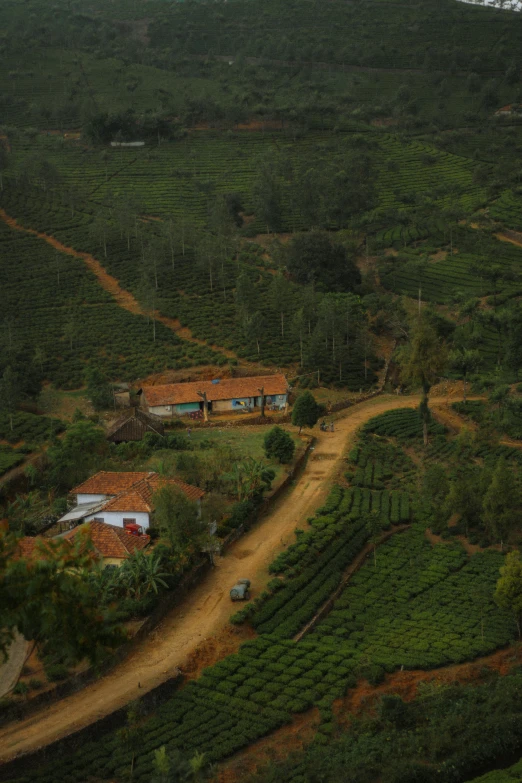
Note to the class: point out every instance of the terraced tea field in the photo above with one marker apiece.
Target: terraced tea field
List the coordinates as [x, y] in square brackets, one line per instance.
[54, 303]
[180, 178]
[407, 169]
[412, 605]
[444, 276]
[189, 288]
[508, 209]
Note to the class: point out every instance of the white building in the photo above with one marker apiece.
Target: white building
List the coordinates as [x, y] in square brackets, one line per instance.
[122, 499]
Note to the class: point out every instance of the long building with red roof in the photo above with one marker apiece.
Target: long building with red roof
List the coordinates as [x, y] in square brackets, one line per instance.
[223, 395]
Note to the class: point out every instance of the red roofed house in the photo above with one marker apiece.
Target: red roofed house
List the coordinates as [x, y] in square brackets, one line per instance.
[122, 499]
[229, 394]
[31, 548]
[112, 544]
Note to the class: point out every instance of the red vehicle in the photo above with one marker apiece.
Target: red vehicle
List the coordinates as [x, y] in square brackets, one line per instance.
[133, 529]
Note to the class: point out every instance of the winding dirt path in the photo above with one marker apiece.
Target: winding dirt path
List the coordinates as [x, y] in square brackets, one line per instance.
[198, 632]
[110, 284]
[11, 668]
[508, 235]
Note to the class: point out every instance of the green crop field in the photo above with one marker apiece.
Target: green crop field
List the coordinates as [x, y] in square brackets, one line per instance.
[282, 146]
[511, 775]
[411, 605]
[179, 178]
[52, 302]
[196, 290]
[508, 209]
[9, 458]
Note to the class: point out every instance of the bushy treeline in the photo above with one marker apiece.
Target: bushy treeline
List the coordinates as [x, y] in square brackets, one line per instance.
[448, 733]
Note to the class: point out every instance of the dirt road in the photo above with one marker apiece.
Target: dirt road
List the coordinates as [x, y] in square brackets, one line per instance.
[10, 669]
[197, 633]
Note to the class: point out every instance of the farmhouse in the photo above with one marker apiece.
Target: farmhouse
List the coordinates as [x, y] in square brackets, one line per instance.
[112, 544]
[122, 499]
[509, 110]
[229, 394]
[32, 548]
[133, 425]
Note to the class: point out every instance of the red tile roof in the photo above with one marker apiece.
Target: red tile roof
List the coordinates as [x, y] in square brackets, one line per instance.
[226, 389]
[25, 547]
[132, 491]
[28, 548]
[111, 541]
[139, 498]
[132, 500]
[109, 483]
[154, 481]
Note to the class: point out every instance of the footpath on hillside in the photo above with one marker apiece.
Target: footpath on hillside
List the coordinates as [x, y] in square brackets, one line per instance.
[110, 284]
[197, 633]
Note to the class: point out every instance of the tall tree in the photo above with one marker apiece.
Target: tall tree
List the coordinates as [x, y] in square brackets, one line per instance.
[99, 390]
[9, 393]
[501, 504]
[306, 411]
[267, 197]
[177, 518]
[75, 455]
[51, 600]
[465, 361]
[465, 497]
[422, 361]
[299, 330]
[99, 230]
[281, 297]
[508, 592]
[246, 298]
[314, 258]
[278, 444]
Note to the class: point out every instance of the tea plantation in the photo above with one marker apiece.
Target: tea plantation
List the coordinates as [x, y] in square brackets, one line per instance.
[54, 303]
[511, 775]
[179, 178]
[199, 292]
[412, 605]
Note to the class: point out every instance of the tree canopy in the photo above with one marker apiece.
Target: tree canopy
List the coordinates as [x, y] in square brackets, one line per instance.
[279, 445]
[176, 517]
[50, 599]
[306, 411]
[315, 258]
[422, 361]
[508, 593]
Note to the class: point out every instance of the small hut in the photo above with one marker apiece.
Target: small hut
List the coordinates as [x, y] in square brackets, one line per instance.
[133, 425]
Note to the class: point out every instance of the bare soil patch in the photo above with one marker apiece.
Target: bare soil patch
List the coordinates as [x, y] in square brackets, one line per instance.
[441, 255]
[277, 746]
[514, 237]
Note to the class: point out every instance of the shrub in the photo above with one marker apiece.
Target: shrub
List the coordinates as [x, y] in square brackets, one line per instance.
[240, 513]
[56, 672]
[21, 689]
[279, 445]
[306, 411]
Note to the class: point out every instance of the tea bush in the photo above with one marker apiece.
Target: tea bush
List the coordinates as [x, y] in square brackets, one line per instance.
[401, 423]
[419, 606]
